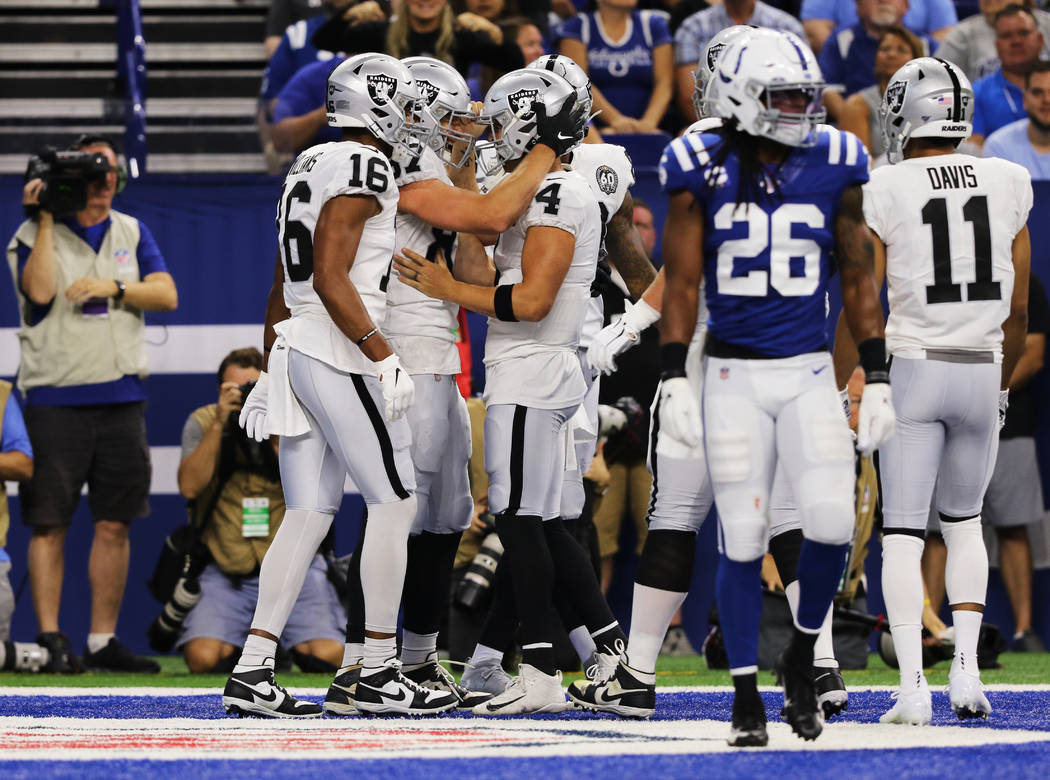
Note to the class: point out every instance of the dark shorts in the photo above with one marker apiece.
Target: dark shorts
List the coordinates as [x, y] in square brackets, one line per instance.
[102, 446]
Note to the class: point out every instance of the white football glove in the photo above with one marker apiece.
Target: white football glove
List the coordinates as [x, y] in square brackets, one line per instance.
[680, 411]
[253, 414]
[877, 420]
[616, 338]
[1004, 403]
[398, 390]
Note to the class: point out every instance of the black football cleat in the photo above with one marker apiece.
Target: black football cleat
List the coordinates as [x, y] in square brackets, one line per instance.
[831, 691]
[255, 693]
[436, 677]
[387, 691]
[621, 693]
[749, 722]
[339, 699]
[801, 710]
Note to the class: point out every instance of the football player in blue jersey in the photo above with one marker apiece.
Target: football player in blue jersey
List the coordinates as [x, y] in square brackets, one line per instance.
[758, 209]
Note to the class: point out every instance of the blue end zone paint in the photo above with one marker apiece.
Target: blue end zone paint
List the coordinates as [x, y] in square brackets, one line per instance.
[1011, 709]
[1013, 761]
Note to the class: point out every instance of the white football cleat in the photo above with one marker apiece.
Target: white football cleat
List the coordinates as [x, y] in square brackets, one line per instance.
[966, 694]
[914, 708]
[531, 691]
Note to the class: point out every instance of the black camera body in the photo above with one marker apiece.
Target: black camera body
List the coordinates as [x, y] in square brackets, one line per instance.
[65, 176]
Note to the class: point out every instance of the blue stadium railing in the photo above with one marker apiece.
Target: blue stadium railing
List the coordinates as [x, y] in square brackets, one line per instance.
[131, 73]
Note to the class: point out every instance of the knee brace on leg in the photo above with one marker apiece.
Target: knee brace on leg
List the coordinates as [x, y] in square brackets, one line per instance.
[667, 560]
[743, 537]
[966, 571]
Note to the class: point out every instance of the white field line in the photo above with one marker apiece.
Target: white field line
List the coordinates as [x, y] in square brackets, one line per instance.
[72, 691]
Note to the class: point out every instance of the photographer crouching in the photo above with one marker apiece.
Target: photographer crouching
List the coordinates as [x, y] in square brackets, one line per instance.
[236, 507]
[84, 274]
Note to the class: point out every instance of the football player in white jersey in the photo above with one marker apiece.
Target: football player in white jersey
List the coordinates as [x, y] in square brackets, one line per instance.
[325, 352]
[952, 243]
[682, 498]
[437, 220]
[534, 383]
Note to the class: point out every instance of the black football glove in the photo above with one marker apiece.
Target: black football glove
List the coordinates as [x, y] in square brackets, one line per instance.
[564, 130]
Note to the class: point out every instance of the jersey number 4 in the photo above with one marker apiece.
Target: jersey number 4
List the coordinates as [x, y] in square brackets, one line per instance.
[772, 232]
[943, 289]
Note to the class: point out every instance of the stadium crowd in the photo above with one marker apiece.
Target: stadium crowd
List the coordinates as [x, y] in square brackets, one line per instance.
[470, 577]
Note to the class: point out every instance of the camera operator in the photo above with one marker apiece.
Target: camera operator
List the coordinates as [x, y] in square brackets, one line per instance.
[84, 276]
[236, 503]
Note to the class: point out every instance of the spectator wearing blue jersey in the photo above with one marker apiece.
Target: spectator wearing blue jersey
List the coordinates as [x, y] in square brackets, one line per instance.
[283, 13]
[691, 39]
[629, 58]
[16, 465]
[933, 18]
[999, 98]
[299, 116]
[848, 55]
[84, 281]
[1027, 141]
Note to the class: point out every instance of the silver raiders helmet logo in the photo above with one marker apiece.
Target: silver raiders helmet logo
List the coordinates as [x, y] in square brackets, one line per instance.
[427, 92]
[607, 179]
[712, 55]
[381, 88]
[521, 101]
[895, 96]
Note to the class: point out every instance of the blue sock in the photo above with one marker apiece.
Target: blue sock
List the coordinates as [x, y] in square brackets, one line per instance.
[820, 568]
[739, 591]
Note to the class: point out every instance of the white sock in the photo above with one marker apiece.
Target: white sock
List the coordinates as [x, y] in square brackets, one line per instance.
[484, 653]
[651, 613]
[902, 592]
[378, 651]
[823, 650]
[96, 642]
[384, 557]
[285, 566]
[258, 651]
[583, 643]
[967, 625]
[353, 652]
[417, 648]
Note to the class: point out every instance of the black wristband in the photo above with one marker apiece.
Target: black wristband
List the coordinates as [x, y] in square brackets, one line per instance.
[367, 336]
[672, 358]
[503, 304]
[873, 360]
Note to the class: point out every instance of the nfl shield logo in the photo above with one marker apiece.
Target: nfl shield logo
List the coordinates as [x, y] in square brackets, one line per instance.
[380, 88]
[895, 96]
[122, 256]
[521, 101]
[723, 373]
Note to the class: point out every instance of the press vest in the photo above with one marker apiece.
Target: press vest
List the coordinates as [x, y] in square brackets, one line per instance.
[233, 553]
[67, 348]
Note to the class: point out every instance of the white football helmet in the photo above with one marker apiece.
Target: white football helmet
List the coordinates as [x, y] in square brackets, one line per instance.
[376, 92]
[703, 85]
[443, 98]
[508, 109]
[758, 71]
[927, 98]
[567, 68]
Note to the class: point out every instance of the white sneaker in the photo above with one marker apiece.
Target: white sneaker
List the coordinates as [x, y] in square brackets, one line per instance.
[531, 691]
[914, 708]
[485, 676]
[966, 694]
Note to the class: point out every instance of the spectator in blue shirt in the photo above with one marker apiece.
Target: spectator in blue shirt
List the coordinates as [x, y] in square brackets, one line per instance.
[1027, 141]
[933, 18]
[84, 281]
[628, 55]
[999, 98]
[691, 39]
[848, 56]
[299, 116]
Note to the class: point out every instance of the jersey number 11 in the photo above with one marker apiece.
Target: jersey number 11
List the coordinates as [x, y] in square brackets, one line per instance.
[943, 289]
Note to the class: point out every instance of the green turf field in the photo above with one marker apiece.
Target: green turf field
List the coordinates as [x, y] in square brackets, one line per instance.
[1018, 668]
